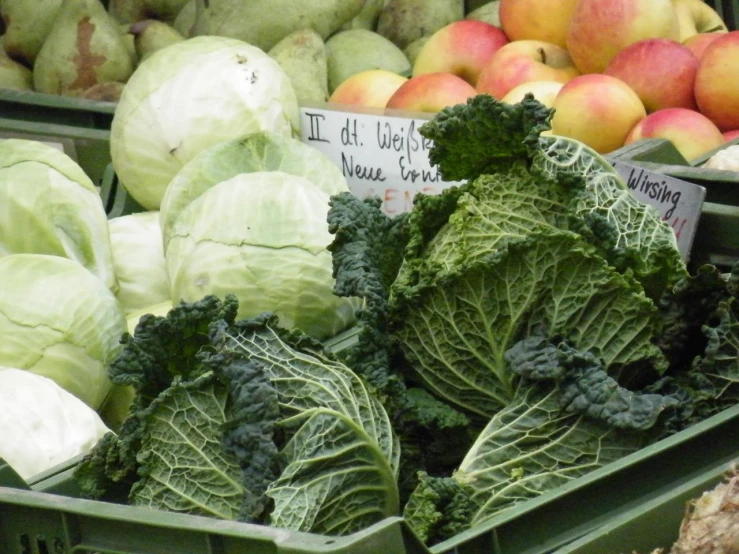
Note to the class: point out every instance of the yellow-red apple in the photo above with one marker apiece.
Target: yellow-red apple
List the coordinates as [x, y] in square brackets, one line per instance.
[372, 88]
[730, 135]
[699, 42]
[431, 92]
[525, 60]
[661, 71]
[598, 110]
[695, 16]
[599, 29]
[692, 133]
[461, 48]
[717, 82]
[544, 91]
[545, 20]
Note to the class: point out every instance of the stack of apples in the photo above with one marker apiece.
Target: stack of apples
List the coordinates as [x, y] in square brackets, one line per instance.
[614, 71]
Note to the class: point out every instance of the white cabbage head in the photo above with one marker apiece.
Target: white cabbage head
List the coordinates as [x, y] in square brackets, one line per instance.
[189, 96]
[262, 237]
[60, 321]
[48, 205]
[41, 424]
[138, 260]
[257, 152]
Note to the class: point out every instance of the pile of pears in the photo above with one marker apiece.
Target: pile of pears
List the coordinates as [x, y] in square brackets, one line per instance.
[90, 48]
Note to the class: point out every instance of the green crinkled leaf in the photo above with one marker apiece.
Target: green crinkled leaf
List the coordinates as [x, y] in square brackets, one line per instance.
[533, 446]
[585, 387]
[482, 217]
[336, 479]
[367, 252]
[484, 135]
[341, 451]
[183, 466]
[641, 241]
[438, 509]
[455, 330]
[718, 369]
[313, 381]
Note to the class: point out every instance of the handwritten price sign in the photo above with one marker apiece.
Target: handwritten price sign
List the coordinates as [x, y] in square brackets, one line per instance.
[380, 155]
[678, 202]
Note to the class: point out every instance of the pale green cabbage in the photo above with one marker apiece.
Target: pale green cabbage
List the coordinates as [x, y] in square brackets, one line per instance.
[262, 237]
[257, 152]
[49, 206]
[41, 424]
[189, 96]
[138, 259]
[60, 321]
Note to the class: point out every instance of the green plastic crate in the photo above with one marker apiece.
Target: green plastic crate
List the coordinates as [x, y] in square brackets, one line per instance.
[654, 522]
[116, 200]
[728, 10]
[9, 478]
[39, 523]
[538, 526]
[56, 109]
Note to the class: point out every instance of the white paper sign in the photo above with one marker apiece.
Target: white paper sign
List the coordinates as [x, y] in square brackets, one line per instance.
[678, 202]
[379, 154]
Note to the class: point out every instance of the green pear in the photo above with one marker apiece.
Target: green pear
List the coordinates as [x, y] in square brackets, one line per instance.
[357, 50]
[411, 51]
[164, 10]
[13, 75]
[185, 20]
[487, 13]
[129, 41]
[131, 11]
[264, 23]
[84, 47]
[27, 23]
[128, 11]
[152, 35]
[367, 18]
[403, 21]
[302, 55]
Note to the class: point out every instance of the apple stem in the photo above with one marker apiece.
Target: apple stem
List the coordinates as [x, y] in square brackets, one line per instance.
[543, 55]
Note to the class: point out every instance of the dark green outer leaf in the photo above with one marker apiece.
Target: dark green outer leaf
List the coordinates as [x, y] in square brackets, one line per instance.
[484, 135]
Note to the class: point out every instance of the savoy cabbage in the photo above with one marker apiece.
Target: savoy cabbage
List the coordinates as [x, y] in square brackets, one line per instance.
[541, 242]
[244, 420]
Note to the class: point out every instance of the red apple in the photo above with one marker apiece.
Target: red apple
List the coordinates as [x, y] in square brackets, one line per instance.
[598, 110]
[545, 20]
[661, 71]
[431, 92]
[717, 82]
[730, 135]
[461, 48]
[371, 88]
[599, 29]
[692, 133]
[699, 42]
[525, 60]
